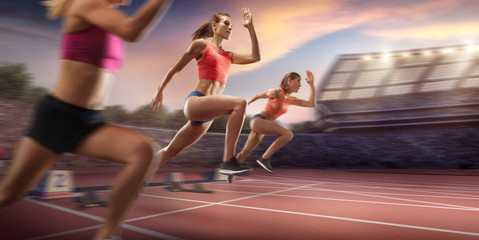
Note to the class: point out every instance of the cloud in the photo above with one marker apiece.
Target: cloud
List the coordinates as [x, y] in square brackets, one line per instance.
[29, 33]
[426, 20]
[285, 26]
[435, 31]
[282, 27]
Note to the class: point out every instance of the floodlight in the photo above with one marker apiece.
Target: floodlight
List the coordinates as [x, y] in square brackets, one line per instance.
[447, 50]
[426, 52]
[472, 47]
[366, 57]
[386, 56]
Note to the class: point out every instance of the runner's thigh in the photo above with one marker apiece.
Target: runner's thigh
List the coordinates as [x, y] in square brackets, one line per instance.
[115, 144]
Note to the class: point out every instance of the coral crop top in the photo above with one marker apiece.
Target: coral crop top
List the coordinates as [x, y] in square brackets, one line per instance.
[278, 106]
[214, 65]
[93, 45]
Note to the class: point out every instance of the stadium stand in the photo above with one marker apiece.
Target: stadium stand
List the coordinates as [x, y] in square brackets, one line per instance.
[406, 109]
[417, 88]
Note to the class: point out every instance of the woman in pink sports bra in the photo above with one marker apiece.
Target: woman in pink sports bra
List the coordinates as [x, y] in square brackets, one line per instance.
[70, 118]
[279, 99]
[207, 102]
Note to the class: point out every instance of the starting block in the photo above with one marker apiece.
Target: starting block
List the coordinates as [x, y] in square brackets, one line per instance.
[174, 177]
[222, 177]
[218, 176]
[174, 181]
[89, 199]
[55, 184]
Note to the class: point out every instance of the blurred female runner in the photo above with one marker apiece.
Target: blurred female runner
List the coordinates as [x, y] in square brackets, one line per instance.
[70, 119]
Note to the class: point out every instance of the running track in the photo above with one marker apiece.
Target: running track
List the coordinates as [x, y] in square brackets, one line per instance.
[291, 204]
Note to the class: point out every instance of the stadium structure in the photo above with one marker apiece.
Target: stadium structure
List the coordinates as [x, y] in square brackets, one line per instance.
[415, 108]
[415, 88]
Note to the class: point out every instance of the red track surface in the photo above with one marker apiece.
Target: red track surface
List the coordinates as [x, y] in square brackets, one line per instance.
[291, 204]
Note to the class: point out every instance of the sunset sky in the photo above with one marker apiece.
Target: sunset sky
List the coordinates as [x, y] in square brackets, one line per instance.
[295, 36]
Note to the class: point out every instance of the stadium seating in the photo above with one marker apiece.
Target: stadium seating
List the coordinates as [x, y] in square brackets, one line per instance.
[417, 88]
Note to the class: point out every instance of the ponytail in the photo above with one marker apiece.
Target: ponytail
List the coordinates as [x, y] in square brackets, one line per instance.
[206, 30]
[284, 82]
[55, 8]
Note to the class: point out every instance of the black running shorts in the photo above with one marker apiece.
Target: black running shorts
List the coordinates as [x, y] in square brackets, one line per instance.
[60, 126]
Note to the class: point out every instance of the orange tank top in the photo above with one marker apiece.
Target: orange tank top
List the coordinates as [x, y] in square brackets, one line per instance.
[214, 64]
[277, 106]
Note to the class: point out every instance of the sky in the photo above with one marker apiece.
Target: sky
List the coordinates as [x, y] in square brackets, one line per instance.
[294, 36]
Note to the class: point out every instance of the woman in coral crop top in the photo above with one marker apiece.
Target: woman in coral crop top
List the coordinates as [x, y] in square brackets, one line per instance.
[207, 102]
[70, 118]
[279, 99]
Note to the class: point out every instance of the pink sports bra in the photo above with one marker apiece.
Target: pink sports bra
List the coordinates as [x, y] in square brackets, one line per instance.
[214, 65]
[93, 45]
[277, 106]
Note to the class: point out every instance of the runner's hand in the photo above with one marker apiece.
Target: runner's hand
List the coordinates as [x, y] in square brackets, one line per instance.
[310, 78]
[157, 101]
[247, 18]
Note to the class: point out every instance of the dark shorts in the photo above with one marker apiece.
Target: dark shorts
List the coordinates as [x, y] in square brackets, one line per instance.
[199, 94]
[60, 126]
[255, 116]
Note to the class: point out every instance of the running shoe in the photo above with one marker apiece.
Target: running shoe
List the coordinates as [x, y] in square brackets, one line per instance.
[266, 164]
[247, 173]
[232, 167]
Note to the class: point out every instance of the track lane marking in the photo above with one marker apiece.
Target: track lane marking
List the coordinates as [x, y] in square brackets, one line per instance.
[208, 204]
[311, 215]
[93, 217]
[378, 195]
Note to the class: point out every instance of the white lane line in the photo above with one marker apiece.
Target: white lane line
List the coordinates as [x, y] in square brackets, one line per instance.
[320, 198]
[376, 195]
[355, 185]
[446, 185]
[218, 203]
[400, 199]
[393, 198]
[423, 195]
[63, 233]
[93, 217]
[359, 220]
[429, 204]
[150, 232]
[437, 192]
[402, 182]
[362, 201]
[85, 215]
[321, 216]
[452, 190]
[375, 182]
[449, 190]
[334, 180]
[179, 199]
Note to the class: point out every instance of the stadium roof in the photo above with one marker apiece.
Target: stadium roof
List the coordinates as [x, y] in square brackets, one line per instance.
[366, 75]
